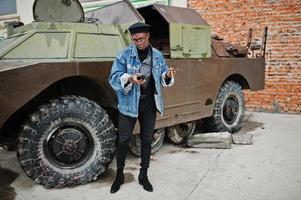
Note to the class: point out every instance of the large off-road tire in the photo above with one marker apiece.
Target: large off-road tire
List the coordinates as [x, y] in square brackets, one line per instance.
[179, 133]
[229, 110]
[158, 138]
[68, 141]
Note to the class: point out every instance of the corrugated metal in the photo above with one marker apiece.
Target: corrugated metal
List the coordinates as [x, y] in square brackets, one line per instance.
[175, 15]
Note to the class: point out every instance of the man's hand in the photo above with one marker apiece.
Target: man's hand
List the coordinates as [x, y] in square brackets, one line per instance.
[171, 72]
[134, 79]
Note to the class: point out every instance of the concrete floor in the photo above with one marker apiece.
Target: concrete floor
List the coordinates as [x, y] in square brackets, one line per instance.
[270, 169]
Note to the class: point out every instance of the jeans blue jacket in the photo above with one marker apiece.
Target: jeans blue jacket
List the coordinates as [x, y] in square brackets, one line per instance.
[128, 63]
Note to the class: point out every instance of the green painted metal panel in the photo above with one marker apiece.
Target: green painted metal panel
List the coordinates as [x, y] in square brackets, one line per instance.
[97, 46]
[45, 42]
[9, 43]
[68, 26]
[176, 44]
[42, 45]
[189, 41]
[125, 34]
[196, 41]
[108, 29]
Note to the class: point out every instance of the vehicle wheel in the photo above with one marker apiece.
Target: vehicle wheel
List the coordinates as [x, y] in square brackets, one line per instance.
[179, 133]
[158, 138]
[229, 109]
[67, 142]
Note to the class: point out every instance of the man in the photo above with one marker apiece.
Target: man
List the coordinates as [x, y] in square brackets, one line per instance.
[136, 76]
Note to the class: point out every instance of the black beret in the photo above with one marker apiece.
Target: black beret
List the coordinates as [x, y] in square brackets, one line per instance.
[139, 27]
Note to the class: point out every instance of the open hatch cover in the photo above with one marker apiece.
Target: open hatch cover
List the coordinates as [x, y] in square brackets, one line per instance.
[58, 11]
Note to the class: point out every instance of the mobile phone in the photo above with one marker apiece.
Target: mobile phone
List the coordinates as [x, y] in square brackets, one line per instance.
[140, 77]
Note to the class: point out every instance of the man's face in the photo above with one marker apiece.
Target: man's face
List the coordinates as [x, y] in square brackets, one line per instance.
[141, 40]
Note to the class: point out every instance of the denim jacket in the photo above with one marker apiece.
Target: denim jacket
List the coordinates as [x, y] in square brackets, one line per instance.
[128, 63]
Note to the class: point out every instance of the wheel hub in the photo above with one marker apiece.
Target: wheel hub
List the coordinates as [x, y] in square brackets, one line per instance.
[69, 145]
[184, 129]
[178, 133]
[230, 110]
[156, 136]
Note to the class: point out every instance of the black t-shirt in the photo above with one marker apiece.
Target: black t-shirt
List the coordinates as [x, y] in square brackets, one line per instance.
[143, 54]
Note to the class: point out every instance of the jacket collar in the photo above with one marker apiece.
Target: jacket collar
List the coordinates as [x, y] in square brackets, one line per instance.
[134, 51]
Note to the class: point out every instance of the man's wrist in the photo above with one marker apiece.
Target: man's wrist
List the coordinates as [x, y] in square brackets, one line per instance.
[130, 79]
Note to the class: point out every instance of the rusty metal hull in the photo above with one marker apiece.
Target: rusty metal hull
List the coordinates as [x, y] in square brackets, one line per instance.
[198, 82]
[192, 97]
[20, 84]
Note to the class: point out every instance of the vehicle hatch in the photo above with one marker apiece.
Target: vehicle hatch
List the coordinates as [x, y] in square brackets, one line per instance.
[58, 11]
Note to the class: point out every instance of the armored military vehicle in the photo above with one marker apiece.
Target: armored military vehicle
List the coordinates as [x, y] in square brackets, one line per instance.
[55, 97]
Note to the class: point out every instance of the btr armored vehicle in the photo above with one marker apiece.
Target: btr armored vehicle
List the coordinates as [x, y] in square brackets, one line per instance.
[55, 97]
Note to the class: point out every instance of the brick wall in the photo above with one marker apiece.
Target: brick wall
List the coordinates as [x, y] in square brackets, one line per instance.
[231, 20]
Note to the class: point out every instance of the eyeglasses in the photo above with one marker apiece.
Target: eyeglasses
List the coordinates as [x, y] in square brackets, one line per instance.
[137, 40]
